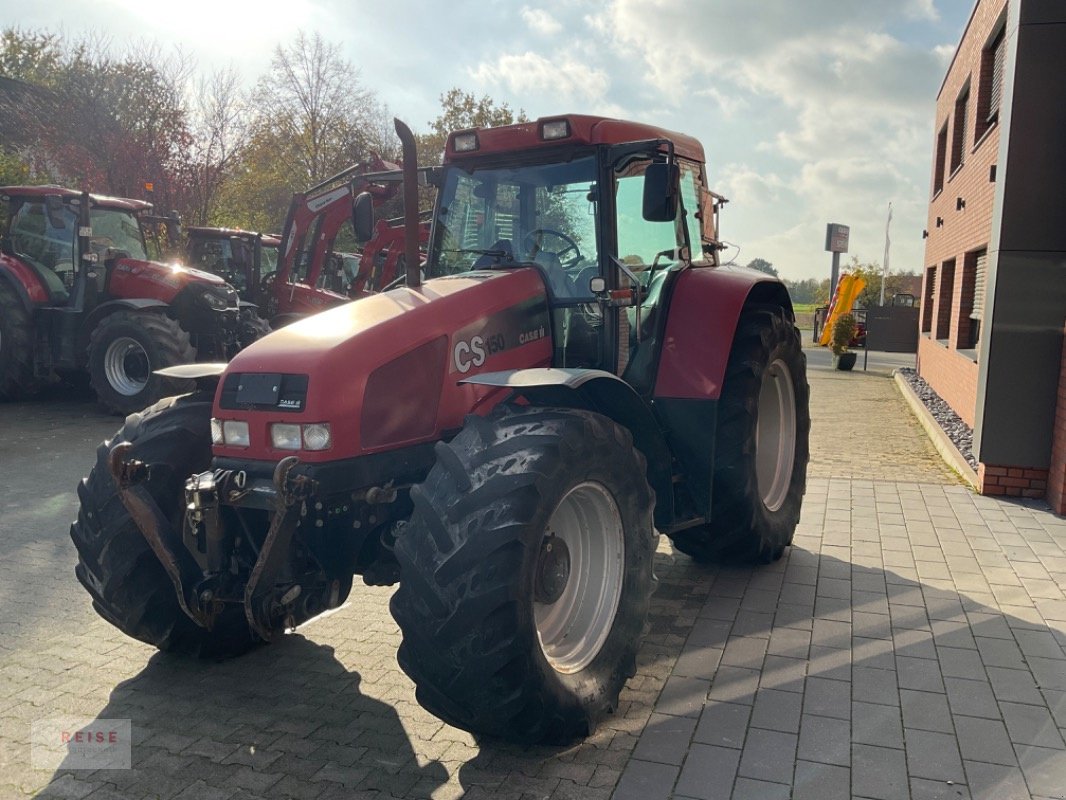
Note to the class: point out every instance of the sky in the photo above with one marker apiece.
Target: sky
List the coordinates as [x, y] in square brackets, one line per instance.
[810, 111]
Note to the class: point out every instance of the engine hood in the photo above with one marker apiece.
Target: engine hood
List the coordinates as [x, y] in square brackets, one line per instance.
[385, 370]
[132, 277]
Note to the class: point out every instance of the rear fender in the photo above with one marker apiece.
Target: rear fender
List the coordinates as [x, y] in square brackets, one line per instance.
[607, 394]
[704, 310]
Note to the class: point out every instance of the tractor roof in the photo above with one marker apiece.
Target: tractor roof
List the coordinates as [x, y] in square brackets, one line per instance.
[582, 129]
[98, 200]
[205, 232]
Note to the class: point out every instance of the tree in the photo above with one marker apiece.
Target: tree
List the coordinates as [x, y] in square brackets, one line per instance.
[220, 133]
[762, 265]
[461, 110]
[871, 272]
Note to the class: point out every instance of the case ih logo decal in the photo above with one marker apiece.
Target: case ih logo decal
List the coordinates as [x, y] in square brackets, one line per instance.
[504, 330]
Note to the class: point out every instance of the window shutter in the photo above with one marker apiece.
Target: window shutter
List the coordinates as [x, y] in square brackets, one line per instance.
[996, 93]
[980, 275]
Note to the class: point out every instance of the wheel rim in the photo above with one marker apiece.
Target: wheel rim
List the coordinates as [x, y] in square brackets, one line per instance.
[574, 626]
[126, 366]
[775, 435]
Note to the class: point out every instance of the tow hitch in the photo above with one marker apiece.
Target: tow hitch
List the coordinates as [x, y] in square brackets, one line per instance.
[207, 545]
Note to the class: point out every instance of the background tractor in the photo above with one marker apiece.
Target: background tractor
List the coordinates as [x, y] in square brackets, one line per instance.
[504, 439]
[78, 293]
[241, 258]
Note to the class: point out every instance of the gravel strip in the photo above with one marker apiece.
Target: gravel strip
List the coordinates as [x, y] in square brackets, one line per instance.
[959, 432]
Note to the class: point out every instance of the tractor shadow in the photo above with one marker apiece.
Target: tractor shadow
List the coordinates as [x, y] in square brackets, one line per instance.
[881, 666]
[282, 716]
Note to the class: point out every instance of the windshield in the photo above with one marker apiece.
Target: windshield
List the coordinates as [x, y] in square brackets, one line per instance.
[119, 230]
[542, 213]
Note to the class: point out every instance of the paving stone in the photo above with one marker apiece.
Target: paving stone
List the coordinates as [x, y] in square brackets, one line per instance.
[919, 673]
[984, 740]
[645, 780]
[971, 698]
[683, 696]
[749, 789]
[665, 739]
[875, 686]
[734, 685]
[815, 781]
[1031, 725]
[996, 782]
[879, 773]
[777, 710]
[827, 698]
[959, 663]
[825, 740]
[723, 724]
[768, 755]
[1014, 686]
[708, 773]
[922, 789]
[1044, 770]
[926, 711]
[933, 755]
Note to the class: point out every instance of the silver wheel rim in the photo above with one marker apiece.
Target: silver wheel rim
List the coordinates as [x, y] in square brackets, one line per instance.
[572, 629]
[124, 363]
[775, 435]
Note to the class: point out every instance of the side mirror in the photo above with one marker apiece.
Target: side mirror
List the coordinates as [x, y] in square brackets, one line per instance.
[53, 206]
[363, 217]
[661, 181]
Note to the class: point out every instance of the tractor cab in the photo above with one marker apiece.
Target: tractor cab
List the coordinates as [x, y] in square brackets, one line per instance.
[241, 258]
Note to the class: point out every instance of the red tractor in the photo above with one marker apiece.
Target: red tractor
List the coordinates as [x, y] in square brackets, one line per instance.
[314, 272]
[78, 293]
[504, 440]
[241, 258]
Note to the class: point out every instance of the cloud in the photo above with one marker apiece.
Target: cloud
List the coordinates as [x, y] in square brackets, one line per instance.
[922, 10]
[540, 21]
[565, 79]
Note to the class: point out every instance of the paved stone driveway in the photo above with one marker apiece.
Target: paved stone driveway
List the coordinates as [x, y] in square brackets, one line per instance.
[909, 645]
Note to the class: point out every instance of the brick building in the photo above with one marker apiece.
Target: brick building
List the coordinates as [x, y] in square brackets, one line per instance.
[993, 298]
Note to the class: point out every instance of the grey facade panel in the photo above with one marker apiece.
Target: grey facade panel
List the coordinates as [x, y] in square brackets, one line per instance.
[1043, 12]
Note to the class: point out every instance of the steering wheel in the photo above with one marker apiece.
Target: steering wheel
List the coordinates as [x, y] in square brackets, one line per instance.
[533, 244]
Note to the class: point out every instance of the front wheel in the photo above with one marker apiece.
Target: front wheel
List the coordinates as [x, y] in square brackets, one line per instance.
[526, 574]
[128, 586]
[126, 348]
[761, 446]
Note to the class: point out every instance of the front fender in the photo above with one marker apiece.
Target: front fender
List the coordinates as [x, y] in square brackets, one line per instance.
[607, 394]
[111, 306]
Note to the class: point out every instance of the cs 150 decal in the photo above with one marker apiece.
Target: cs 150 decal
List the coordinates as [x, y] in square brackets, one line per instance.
[513, 327]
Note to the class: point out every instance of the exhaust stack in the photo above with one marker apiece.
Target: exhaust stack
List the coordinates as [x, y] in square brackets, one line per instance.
[410, 204]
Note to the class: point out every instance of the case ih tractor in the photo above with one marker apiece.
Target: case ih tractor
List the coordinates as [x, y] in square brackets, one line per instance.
[241, 258]
[503, 439]
[77, 292]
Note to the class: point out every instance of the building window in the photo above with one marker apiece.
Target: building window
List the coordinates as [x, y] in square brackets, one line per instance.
[990, 87]
[971, 300]
[958, 131]
[927, 300]
[938, 163]
[945, 297]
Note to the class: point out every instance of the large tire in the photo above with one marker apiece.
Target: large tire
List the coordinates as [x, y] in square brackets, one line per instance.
[252, 328]
[128, 585]
[16, 346]
[486, 637]
[126, 348]
[758, 483]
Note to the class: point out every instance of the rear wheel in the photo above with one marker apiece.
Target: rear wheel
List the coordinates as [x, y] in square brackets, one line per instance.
[761, 446]
[526, 574]
[128, 585]
[124, 351]
[16, 346]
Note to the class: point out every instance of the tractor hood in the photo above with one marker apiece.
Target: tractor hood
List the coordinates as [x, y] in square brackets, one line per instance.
[384, 371]
[131, 277]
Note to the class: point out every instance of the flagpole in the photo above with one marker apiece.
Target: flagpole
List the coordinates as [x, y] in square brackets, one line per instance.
[888, 244]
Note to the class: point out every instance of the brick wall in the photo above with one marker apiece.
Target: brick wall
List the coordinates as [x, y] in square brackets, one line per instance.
[1056, 491]
[952, 375]
[964, 208]
[1006, 481]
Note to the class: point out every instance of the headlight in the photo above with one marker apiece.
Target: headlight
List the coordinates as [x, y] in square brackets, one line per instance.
[235, 433]
[215, 302]
[317, 436]
[216, 431]
[285, 436]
